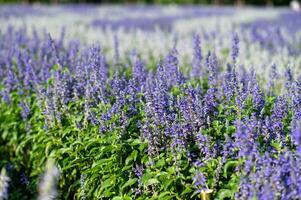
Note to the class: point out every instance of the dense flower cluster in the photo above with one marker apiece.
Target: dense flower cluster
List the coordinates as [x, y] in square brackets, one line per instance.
[165, 127]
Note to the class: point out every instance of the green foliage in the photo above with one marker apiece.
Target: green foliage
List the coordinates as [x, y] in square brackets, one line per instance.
[106, 161]
[94, 165]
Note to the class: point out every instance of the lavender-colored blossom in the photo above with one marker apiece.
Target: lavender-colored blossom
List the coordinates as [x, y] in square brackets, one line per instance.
[157, 110]
[289, 78]
[241, 96]
[199, 181]
[296, 98]
[228, 148]
[273, 177]
[116, 48]
[245, 137]
[25, 110]
[10, 81]
[235, 47]
[197, 57]
[177, 138]
[273, 75]
[211, 62]
[28, 74]
[191, 109]
[138, 170]
[296, 135]
[203, 143]
[257, 98]
[171, 69]
[279, 112]
[230, 82]
[209, 102]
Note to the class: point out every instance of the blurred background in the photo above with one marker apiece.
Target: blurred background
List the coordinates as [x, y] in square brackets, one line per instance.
[206, 2]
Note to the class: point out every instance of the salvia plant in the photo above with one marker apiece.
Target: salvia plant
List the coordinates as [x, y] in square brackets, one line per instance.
[206, 113]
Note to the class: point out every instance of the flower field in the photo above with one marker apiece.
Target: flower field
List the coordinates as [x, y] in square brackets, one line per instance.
[150, 102]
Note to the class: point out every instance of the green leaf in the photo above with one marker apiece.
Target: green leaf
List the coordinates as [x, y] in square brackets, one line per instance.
[229, 165]
[130, 182]
[136, 142]
[117, 198]
[165, 195]
[276, 145]
[146, 177]
[151, 181]
[127, 198]
[224, 194]
[108, 183]
[160, 163]
[131, 157]
[187, 190]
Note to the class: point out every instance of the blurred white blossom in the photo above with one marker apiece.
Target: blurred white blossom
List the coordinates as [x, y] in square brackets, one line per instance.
[48, 184]
[295, 5]
[4, 180]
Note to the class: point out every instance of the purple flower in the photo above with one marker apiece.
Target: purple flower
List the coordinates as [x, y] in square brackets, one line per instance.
[228, 148]
[199, 181]
[257, 98]
[138, 170]
[230, 82]
[209, 103]
[296, 98]
[190, 108]
[235, 47]
[197, 57]
[25, 110]
[177, 137]
[171, 69]
[279, 112]
[296, 135]
[211, 62]
[289, 78]
[245, 137]
[203, 143]
[272, 78]
[116, 48]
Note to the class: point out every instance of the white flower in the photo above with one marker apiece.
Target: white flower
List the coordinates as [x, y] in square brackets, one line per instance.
[295, 5]
[4, 180]
[47, 187]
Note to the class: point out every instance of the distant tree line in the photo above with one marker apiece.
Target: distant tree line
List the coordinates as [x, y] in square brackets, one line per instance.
[211, 2]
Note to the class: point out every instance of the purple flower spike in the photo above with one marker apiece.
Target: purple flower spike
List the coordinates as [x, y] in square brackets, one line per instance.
[235, 47]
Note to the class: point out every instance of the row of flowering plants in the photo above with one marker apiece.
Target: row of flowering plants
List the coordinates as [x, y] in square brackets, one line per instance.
[77, 125]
